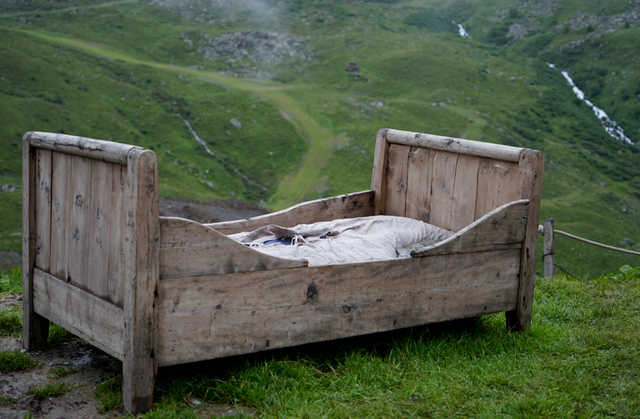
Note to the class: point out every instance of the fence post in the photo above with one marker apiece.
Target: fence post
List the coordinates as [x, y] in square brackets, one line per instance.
[549, 256]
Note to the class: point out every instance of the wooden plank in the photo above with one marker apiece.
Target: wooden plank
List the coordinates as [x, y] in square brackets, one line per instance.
[189, 249]
[378, 175]
[80, 221]
[85, 147]
[359, 204]
[502, 226]
[530, 176]
[549, 256]
[396, 179]
[35, 328]
[142, 240]
[465, 192]
[61, 202]
[207, 317]
[419, 176]
[498, 184]
[444, 175]
[455, 145]
[99, 227]
[83, 314]
[117, 227]
[43, 210]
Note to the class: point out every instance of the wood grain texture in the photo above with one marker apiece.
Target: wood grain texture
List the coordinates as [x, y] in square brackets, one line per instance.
[530, 176]
[43, 209]
[378, 175]
[419, 177]
[61, 202]
[359, 204]
[396, 180]
[142, 241]
[35, 328]
[79, 222]
[85, 147]
[80, 312]
[455, 145]
[442, 189]
[99, 228]
[208, 317]
[188, 249]
[499, 229]
[465, 192]
[498, 184]
[117, 234]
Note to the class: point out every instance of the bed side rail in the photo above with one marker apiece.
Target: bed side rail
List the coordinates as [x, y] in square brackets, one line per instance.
[189, 249]
[501, 229]
[358, 204]
[90, 249]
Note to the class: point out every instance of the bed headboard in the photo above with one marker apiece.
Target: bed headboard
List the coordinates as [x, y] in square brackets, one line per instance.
[450, 182]
[90, 247]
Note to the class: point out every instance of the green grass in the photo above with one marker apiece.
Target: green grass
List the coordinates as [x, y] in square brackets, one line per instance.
[109, 391]
[50, 390]
[16, 360]
[577, 360]
[61, 371]
[11, 281]
[11, 322]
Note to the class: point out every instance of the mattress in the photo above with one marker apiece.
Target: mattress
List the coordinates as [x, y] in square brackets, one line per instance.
[348, 240]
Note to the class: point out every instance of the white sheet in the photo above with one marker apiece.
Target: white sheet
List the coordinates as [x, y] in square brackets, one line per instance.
[348, 240]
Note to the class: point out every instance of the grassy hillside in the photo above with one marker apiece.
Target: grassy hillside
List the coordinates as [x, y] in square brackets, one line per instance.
[133, 71]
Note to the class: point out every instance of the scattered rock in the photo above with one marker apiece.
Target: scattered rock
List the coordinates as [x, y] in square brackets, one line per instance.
[5, 187]
[352, 67]
[626, 242]
[512, 79]
[235, 123]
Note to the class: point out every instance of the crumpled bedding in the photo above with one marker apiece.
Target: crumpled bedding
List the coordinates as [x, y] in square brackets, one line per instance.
[348, 240]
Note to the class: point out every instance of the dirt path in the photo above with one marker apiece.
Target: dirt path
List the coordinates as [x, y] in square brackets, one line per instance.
[296, 186]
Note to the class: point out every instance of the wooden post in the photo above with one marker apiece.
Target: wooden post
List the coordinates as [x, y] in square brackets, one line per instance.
[549, 255]
[142, 244]
[531, 169]
[35, 327]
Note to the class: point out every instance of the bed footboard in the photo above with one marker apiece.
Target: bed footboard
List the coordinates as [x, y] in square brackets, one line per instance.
[90, 250]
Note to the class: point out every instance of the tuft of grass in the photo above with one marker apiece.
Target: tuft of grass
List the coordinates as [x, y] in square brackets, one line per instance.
[11, 281]
[57, 334]
[11, 322]
[50, 390]
[109, 392]
[16, 360]
[61, 371]
[7, 400]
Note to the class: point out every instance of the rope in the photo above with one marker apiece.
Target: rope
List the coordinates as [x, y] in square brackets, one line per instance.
[571, 236]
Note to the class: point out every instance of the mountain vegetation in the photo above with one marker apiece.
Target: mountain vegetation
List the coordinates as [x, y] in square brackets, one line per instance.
[263, 84]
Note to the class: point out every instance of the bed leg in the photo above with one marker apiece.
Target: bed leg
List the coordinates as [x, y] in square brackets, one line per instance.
[35, 328]
[140, 364]
[531, 169]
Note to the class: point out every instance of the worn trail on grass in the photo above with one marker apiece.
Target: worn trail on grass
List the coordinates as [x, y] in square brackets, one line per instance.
[295, 187]
[66, 9]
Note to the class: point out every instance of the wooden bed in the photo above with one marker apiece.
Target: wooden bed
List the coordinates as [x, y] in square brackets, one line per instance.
[155, 291]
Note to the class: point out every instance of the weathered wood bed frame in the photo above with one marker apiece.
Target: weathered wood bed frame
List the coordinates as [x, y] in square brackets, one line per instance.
[154, 291]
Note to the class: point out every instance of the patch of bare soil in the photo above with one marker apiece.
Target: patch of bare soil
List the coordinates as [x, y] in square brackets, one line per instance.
[209, 211]
[89, 365]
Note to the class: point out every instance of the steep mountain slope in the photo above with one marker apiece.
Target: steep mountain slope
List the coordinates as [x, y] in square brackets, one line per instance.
[263, 84]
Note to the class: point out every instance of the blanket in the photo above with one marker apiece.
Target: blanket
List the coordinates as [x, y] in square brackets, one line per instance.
[348, 240]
